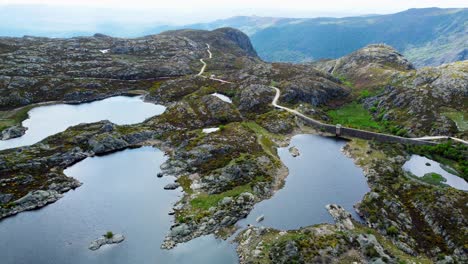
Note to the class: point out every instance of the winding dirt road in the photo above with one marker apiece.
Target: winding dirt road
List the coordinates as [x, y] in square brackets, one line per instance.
[295, 112]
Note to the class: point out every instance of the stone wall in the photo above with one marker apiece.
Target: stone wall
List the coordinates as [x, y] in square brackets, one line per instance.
[357, 133]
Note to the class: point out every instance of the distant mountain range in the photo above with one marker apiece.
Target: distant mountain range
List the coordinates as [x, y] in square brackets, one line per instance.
[429, 36]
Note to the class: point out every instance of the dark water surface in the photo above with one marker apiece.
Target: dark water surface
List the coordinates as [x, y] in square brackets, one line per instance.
[48, 120]
[120, 193]
[321, 175]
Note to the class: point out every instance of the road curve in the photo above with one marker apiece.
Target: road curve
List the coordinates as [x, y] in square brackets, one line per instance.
[202, 70]
[295, 112]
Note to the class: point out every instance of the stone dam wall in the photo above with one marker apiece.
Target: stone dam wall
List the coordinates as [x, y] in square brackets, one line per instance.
[357, 133]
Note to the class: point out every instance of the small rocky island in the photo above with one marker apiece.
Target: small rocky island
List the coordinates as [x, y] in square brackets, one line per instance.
[106, 239]
[294, 151]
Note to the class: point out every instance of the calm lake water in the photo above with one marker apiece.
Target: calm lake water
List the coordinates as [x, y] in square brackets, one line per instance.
[120, 193]
[321, 175]
[44, 121]
[417, 166]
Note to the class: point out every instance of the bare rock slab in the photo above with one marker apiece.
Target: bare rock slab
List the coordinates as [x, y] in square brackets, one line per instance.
[98, 243]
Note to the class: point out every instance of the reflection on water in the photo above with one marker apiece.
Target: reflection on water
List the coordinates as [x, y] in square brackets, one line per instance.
[320, 175]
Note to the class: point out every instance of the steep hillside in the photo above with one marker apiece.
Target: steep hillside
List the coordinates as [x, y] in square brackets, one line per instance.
[426, 101]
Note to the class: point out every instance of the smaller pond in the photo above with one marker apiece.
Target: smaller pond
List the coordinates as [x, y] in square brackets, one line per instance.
[320, 175]
[417, 165]
[45, 121]
[223, 97]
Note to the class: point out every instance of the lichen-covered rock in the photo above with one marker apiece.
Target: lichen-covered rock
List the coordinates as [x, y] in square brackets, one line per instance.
[13, 132]
[255, 98]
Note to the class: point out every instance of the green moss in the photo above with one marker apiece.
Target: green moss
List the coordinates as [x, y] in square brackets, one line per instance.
[392, 231]
[433, 178]
[14, 117]
[354, 115]
[345, 81]
[460, 119]
[453, 155]
[156, 85]
[264, 138]
[205, 201]
[185, 183]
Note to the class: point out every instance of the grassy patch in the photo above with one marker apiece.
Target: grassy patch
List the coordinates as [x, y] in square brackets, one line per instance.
[264, 138]
[364, 152]
[345, 81]
[185, 183]
[354, 115]
[205, 201]
[14, 117]
[156, 85]
[453, 155]
[433, 178]
[460, 119]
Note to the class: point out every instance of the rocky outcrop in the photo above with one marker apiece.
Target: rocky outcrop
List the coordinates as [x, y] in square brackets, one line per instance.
[13, 132]
[255, 98]
[341, 217]
[35, 199]
[171, 186]
[369, 67]
[422, 100]
[98, 243]
[51, 69]
[413, 216]
[241, 39]
[294, 151]
[228, 211]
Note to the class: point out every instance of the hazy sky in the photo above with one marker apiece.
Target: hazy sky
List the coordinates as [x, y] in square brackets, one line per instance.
[63, 18]
[184, 11]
